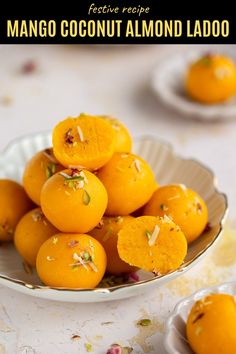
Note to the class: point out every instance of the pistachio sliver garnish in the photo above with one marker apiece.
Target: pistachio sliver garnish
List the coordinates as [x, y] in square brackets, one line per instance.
[84, 259]
[88, 347]
[148, 234]
[74, 181]
[50, 170]
[86, 197]
[86, 256]
[74, 178]
[144, 322]
[53, 167]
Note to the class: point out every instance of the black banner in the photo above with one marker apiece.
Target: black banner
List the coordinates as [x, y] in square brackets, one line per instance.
[121, 22]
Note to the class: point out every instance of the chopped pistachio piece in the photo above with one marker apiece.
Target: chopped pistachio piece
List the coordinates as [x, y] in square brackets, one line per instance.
[144, 322]
[86, 256]
[148, 234]
[88, 347]
[86, 198]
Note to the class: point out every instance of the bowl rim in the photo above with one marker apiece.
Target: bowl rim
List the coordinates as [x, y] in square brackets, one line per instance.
[142, 283]
[203, 291]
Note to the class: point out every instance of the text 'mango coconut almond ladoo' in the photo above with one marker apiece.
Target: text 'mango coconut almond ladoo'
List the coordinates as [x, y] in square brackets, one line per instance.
[71, 260]
[83, 142]
[106, 232]
[184, 206]
[154, 244]
[129, 182]
[39, 168]
[73, 200]
[14, 204]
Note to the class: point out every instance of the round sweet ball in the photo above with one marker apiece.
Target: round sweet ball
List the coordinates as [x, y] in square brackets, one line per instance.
[71, 261]
[154, 244]
[39, 168]
[211, 325]
[14, 204]
[129, 182]
[211, 79]
[83, 142]
[106, 232]
[184, 206]
[31, 232]
[122, 138]
[74, 201]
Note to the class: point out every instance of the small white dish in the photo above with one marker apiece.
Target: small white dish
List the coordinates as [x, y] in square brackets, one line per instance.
[167, 82]
[168, 168]
[175, 340]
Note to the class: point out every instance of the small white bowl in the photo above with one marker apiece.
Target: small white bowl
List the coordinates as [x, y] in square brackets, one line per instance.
[167, 82]
[175, 340]
[168, 168]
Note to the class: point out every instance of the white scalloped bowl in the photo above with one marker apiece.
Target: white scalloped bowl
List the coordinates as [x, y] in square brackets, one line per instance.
[168, 168]
[175, 340]
[167, 82]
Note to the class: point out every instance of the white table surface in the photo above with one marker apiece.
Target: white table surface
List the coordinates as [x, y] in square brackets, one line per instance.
[110, 80]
